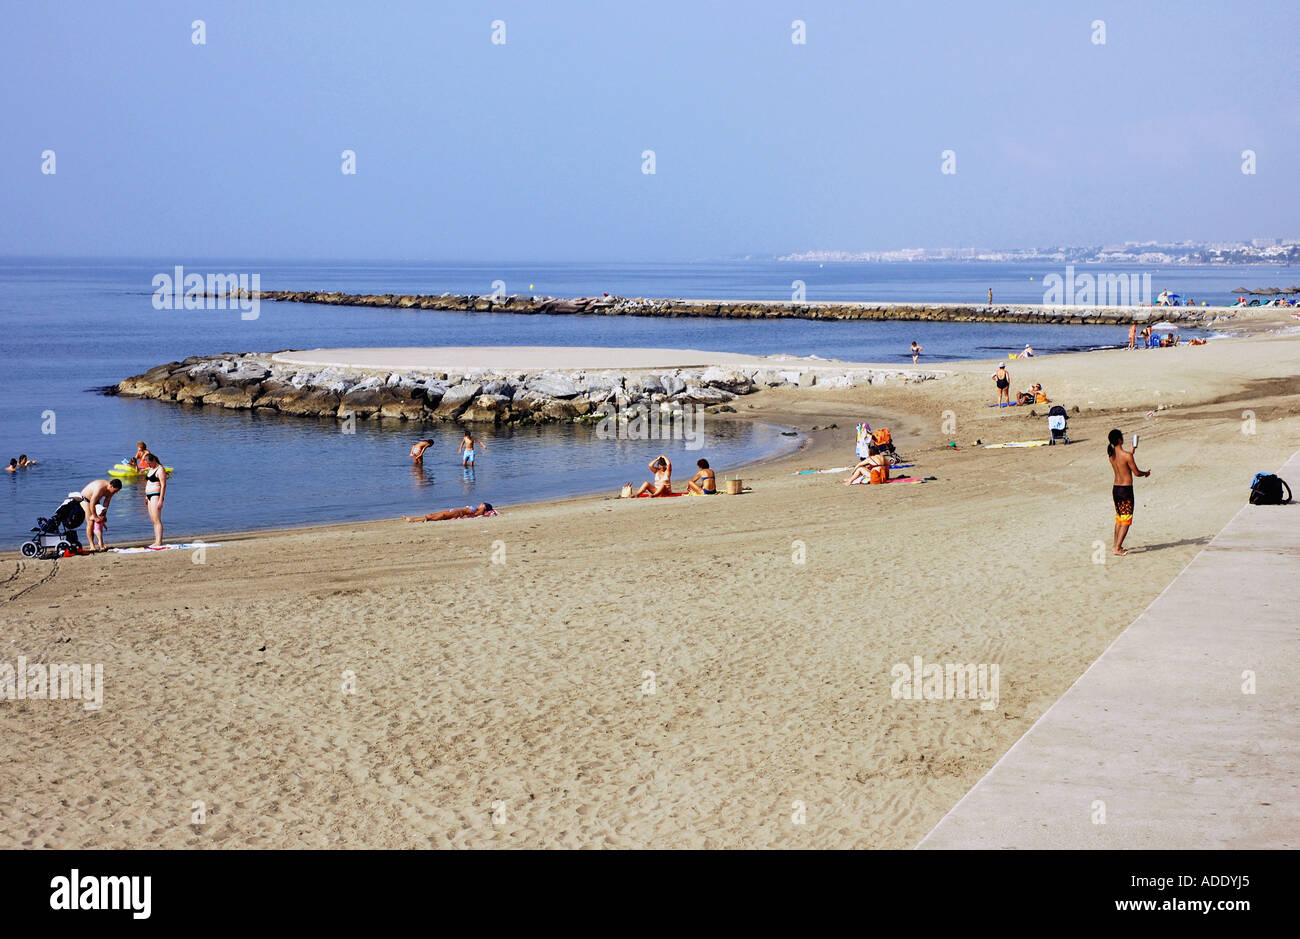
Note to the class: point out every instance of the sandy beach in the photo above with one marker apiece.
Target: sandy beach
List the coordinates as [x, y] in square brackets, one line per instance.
[486, 682]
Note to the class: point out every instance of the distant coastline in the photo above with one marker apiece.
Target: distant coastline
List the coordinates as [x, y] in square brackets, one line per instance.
[1277, 252]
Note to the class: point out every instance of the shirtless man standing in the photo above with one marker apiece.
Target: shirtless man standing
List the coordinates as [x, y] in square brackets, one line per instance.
[466, 448]
[97, 492]
[1125, 467]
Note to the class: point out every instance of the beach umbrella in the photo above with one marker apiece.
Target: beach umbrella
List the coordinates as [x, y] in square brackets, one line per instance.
[1241, 290]
[1270, 291]
[1292, 289]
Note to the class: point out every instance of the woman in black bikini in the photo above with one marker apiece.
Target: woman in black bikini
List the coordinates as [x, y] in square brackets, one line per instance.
[155, 485]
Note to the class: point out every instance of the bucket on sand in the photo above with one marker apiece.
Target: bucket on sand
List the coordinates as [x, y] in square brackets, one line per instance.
[732, 487]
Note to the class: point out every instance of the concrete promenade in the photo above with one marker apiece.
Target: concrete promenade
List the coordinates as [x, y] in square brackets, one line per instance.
[1158, 733]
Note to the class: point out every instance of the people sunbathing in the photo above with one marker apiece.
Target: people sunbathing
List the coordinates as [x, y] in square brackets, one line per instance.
[662, 467]
[484, 509]
[874, 469]
[704, 482]
[1031, 394]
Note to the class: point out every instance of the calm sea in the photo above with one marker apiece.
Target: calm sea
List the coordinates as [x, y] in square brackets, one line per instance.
[70, 327]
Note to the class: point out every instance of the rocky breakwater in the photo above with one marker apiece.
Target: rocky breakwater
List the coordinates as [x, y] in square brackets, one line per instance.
[258, 382]
[758, 309]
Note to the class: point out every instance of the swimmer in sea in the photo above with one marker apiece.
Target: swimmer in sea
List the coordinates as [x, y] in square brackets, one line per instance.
[916, 351]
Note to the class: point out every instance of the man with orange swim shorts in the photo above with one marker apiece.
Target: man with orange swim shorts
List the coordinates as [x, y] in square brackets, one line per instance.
[1125, 466]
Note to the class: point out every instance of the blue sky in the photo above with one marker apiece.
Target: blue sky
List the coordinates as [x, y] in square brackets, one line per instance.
[531, 150]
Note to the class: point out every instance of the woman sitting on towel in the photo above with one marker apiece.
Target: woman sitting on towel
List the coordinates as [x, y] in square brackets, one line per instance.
[876, 459]
[703, 483]
[662, 467]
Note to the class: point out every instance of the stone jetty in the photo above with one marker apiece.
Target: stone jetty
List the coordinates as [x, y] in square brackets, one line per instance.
[528, 385]
[755, 309]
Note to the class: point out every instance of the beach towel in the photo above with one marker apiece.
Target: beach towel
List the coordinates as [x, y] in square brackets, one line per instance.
[806, 472]
[187, 546]
[896, 479]
[671, 495]
[1015, 443]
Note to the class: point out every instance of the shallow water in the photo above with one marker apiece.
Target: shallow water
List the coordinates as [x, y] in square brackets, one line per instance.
[70, 327]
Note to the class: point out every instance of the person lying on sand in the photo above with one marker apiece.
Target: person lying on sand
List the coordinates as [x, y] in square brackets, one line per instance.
[484, 509]
[703, 483]
[662, 467]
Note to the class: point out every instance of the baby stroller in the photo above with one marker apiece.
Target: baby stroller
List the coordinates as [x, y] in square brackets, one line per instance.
[58, 533]
[1057, 423]
[884, 442]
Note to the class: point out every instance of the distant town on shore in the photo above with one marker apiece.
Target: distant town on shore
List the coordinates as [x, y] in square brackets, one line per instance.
[1256, 251]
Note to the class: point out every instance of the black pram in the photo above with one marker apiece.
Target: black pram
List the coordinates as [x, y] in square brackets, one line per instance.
[1057, 422]
[58, 533]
